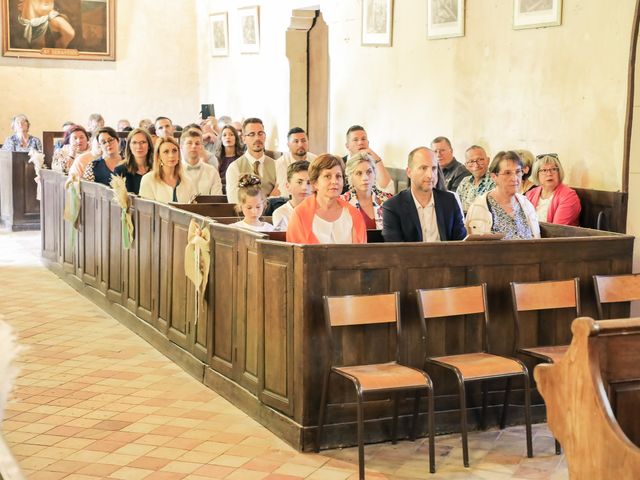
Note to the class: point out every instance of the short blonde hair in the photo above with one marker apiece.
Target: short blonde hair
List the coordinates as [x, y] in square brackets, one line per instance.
[546, 159]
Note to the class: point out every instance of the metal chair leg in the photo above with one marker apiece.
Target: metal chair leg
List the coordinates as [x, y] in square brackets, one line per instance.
[463, 422]
[527, 412]
[394, 423]
[416, 412]
[323, 406]
[485, 400]
[505, 404]
[431, 426]
[360, 438]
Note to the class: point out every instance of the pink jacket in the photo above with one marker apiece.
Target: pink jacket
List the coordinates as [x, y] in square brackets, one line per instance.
[565, 205]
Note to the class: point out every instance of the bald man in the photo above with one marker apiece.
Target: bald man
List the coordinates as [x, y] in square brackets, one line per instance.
[422, 213]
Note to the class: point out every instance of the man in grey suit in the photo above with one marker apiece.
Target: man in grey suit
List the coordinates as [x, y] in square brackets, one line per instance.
[253, 161]
[422, 213]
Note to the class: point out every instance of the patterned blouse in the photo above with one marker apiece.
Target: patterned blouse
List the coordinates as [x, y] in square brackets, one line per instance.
[14, 144]
[468, 192]
[379, 197]
[63, 159]
[516, 227]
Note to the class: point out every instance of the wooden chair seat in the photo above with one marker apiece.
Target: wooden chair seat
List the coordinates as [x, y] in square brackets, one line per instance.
[551, 354]
[480, 365]
[384, 376]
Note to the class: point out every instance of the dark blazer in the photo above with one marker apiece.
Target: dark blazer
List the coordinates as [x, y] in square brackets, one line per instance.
[401, 223]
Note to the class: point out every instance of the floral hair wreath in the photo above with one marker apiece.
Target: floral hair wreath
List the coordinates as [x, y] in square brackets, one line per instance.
[249, 181]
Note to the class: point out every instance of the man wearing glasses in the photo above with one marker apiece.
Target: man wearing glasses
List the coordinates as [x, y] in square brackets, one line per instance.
[453, 170]
[479, 181]
[253, 161]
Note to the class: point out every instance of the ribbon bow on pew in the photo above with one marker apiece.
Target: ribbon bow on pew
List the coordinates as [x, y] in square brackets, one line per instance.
[37, 159]
[72, 205]
[197, 261]
[121, 196]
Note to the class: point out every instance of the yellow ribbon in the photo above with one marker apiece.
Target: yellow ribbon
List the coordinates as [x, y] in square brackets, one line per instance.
[197, 260]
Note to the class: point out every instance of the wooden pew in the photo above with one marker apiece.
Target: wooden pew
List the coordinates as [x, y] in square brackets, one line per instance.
[211, 199]
[19, 208]
[593, 399]
[209, 209]
[603, 210]
[261, 342]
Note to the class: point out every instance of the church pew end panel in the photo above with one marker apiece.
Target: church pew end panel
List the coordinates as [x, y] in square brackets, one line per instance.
[592, 398]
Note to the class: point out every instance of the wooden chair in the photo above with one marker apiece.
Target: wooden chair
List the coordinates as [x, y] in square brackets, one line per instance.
[614, 289]
[541, 296]
[476, 365]
[374, 378]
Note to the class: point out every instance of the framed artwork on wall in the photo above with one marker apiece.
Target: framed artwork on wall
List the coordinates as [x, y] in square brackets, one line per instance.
[218, 34]
[445, 18]
[377, 22]
[249, 29]
[66, 29]
[536, 13]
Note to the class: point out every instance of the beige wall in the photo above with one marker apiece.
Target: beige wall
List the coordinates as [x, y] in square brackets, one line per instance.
[560, 89]
[155, 73]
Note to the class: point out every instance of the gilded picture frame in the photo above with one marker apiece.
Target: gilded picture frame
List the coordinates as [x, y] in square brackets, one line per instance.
[68, 29]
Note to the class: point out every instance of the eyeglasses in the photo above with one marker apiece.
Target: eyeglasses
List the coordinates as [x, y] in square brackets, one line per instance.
[104, 143]
[476, 162]
[549, 170]
[253, 134]
[136, 144]
[509, 173]
[552, 155]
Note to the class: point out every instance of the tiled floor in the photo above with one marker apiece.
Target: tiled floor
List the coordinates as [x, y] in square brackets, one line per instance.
[93, 401]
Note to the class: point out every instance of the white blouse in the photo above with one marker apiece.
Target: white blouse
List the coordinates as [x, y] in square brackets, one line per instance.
[281, 216]
[542, 208]
[157, 190]
[263, 227]
[334, 232]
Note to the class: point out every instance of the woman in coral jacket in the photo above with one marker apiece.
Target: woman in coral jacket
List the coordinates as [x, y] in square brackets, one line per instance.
[324, 217]
[553, 200]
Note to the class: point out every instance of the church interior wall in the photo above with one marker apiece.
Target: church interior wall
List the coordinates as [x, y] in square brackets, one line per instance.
[557, 89]
[155, 73]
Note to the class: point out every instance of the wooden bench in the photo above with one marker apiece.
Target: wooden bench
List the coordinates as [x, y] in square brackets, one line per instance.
[19, 208]
[209, 209]
[593, 399]
[603, 210]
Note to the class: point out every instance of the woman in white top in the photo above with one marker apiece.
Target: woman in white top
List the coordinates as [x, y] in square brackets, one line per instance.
[251, 204]
[165, 182]
[503, 209]
[325, 217]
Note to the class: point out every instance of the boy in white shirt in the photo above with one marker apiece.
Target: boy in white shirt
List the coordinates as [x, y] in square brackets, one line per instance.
[299, 188]
[204, 177]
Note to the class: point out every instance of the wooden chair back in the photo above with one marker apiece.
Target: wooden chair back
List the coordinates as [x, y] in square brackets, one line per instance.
[208, 209]
[552, 304]
[460, 308]
[596, 378]
[615, 289]
[366, 327]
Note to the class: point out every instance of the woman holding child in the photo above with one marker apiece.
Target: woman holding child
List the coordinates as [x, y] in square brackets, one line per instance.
[165, 182]
[325, 217]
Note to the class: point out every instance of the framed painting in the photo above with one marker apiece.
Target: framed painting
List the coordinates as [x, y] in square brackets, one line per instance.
[66, 29]
[445, 18]
[218, 35]
[249, 29]
[536, 13]
[377, 22]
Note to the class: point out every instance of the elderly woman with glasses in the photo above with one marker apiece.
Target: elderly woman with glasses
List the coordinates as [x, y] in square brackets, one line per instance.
[503, 210]
[553, 200]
